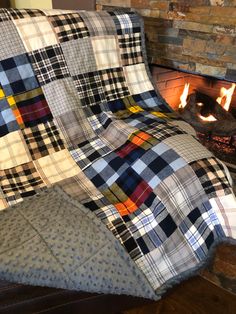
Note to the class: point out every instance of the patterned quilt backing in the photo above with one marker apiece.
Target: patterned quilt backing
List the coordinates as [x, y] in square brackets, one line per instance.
[78, 109]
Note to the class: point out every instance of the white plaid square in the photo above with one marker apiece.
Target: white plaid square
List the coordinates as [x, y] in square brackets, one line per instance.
[137, 78]
[57, 167]
[36, 32]
[14, 150]
[106, 52]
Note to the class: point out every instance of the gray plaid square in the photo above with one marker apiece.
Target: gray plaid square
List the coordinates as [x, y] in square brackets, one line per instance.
[61, 96]
[74, 127]
[13, 45]
[79, 56]
[99, 24]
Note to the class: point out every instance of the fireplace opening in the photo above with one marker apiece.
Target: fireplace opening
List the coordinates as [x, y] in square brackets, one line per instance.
[203, 103]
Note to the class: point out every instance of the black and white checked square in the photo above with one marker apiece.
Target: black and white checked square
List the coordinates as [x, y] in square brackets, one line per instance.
[23, 13]
[49, 64]
[123, 234]
[43, 139]
[20, 181]
[114, 84]
[69, 26]
[162, 131]
[130, 48]
[212, 176]
[89, 88]
[4, 16]
[98, 23]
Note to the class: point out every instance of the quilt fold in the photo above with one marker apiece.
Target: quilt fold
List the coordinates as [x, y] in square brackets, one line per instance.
[103, 188]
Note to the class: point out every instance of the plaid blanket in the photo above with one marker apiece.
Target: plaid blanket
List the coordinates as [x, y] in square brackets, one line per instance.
[78, 110]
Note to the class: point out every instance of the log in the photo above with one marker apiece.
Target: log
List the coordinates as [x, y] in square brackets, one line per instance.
[224, 126]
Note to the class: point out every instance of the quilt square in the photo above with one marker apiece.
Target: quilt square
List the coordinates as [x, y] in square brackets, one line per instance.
[106, 52]
[4, 16]
[79, 56]
[161, 131]
[61, 96]
[89, 88]
[57, 167]
[181, 193]
[36, 32]
[126, 23]
[23, 13]
[105, 171]
[43, 139]
[20, 181]
[185, 145]
[14, 150]
[13, 45]
[30, 108]
[113, 81]
[17, 75]
[212, 177]
[122, 233]
[99, 24]
[149, 99]
[69, 26]
[201, 227]
[89, 151]
[137, 78]
[8, 121]
[74, 127]
[158, 163]
[136, 146]
[49, 64]
[130, 48]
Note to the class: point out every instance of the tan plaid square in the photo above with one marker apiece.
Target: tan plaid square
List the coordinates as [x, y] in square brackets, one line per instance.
[137, 79]
[106, 52]
[57, 167]
[14, 150]
[36, 32]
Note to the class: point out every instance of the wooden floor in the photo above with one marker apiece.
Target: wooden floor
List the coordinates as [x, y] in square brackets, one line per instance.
[195, 296]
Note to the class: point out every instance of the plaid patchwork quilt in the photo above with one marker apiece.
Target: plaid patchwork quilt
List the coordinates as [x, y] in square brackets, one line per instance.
[78, 111]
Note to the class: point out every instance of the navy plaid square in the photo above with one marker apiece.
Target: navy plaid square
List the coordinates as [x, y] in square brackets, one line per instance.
[89, 88]
[148, 100]
[17, 75]
[8, 121]
[49, 64]
[113, 81]
[89, 151]
[69, 26]
[158, 163]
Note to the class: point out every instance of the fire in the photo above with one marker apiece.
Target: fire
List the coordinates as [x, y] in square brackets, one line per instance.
[226, 95]
[224, 99]
[183, 97]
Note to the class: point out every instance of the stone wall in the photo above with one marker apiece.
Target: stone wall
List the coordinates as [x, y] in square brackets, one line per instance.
[197, 36]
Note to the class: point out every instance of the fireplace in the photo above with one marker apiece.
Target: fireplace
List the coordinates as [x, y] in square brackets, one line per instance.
[171, 83]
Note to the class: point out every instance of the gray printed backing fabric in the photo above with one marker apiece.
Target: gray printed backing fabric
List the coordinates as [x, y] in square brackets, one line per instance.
[102, 187]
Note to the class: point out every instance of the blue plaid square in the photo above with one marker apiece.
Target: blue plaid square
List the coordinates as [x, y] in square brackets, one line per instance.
[126, 23]
[17, 75]
[149, 100]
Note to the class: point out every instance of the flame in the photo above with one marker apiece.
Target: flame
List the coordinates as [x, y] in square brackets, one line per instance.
[226, 95]
[224, 100]
[183, 97]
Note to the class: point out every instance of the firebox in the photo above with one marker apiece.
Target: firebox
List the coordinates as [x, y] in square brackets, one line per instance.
[204, 94]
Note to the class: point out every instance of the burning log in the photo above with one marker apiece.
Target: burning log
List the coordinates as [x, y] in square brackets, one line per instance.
[224, 123]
